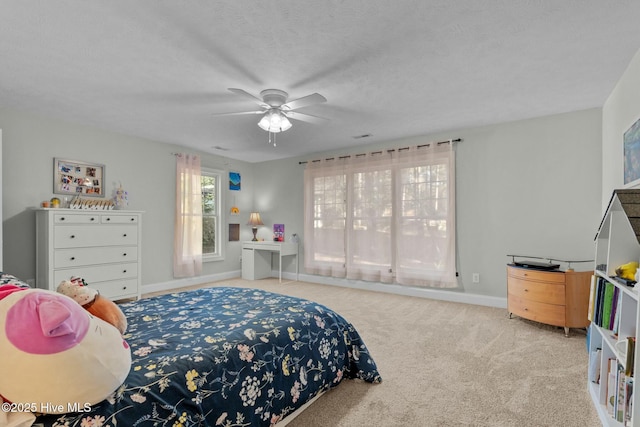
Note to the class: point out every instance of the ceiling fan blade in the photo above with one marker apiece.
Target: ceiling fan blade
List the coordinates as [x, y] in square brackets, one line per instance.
[244, 93]
[305, 117]
[239, 113]
[314, 98]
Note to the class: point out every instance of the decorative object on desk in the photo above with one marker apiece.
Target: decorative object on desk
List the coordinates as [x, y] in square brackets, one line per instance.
[278, 232]
[78, 178]
[121, 198]
[631, 141]
[55, 202]
[235, 181]
[254, 222]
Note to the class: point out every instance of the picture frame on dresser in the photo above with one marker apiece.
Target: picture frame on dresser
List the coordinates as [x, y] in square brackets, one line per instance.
[78, 178]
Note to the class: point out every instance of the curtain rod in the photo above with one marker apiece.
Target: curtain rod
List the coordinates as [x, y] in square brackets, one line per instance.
[450, 141]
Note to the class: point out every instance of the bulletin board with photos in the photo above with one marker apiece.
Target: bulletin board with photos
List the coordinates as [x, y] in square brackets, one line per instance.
[74, 177]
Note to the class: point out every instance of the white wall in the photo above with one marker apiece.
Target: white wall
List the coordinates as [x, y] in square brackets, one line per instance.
[620, 111]
[530, 187]
[145, 168]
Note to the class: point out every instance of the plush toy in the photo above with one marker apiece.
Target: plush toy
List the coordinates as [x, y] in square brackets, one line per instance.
[56, 357]
[93, 302]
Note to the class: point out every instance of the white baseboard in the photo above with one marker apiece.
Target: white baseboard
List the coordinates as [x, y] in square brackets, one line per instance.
[189, 281]
[443, 295]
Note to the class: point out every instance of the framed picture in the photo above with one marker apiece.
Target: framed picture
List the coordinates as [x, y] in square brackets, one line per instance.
[235, 182]
[78, 178]
[632, 155]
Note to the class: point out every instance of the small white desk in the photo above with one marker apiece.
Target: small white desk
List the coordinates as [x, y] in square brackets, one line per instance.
[256, 258]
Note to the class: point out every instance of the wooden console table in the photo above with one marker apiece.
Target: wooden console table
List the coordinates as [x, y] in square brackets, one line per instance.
[555, 297]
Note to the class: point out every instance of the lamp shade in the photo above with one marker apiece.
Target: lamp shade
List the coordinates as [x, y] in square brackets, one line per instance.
[254, 219]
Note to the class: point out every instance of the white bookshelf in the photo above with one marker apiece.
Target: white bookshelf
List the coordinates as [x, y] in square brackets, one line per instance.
[616, 244]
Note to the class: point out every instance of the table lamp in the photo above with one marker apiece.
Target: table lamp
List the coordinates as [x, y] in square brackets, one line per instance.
[254, 222]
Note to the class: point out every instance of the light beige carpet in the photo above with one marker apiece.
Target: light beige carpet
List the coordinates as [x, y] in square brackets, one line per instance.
[448, 364]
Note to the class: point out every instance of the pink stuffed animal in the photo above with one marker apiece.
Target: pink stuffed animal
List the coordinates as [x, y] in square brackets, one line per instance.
[55, 355]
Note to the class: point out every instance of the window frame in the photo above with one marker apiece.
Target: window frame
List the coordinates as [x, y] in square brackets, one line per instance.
[218, 255]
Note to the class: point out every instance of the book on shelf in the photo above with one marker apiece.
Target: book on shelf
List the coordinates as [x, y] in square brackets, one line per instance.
[594, 365]
[620, 387]
[631, 349]
[607, 304]
[611, 386]
[628, 398]
[592, 297]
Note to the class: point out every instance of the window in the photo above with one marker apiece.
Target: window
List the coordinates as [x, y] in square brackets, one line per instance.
[212, 240]
[386, 217]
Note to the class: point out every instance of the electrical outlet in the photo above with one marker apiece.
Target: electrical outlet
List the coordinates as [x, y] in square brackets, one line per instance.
[476, 278]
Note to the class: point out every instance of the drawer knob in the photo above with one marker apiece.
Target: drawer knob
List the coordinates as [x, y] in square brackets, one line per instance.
[124, 254]
[73, 258]
[92, 219]
[124, 235]
[108, 219]
[124, 287]
[124, 271]
[133, 219]
[62, 219]
[526, 290]
[73, 236]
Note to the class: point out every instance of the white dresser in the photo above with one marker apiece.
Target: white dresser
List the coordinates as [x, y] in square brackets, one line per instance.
[102, 247]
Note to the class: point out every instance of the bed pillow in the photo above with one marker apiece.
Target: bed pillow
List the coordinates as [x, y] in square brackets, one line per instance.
[9, 279]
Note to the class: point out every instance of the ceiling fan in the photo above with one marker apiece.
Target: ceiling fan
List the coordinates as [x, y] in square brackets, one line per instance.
[276, 111]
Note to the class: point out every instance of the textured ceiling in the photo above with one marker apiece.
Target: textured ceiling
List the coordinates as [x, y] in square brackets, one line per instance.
[389, 68]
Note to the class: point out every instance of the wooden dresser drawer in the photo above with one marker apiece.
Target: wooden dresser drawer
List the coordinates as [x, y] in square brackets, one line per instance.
[98, 273]
[548, 293]
[117, 288]
[76, 257]
[78, 236]
[70, 218]
[119, 219]
[549, 314]
[537, 275]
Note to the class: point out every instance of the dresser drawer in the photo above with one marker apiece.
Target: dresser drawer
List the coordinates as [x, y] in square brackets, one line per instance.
[541, 276]
[117, 288]
[75, 257]
[78, 236]
[69, 218]
[549, 314]
[119, 219]
[98, 273]
[549, 293]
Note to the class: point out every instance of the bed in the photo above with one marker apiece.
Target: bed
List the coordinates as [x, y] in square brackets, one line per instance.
[227, 356]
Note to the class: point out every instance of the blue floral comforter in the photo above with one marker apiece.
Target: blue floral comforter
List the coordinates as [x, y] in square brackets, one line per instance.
[228, 357]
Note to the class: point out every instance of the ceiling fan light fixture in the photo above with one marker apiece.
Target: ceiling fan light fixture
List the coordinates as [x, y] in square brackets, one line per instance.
[274, 121]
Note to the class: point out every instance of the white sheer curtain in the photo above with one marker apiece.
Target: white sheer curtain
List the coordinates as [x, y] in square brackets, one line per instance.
[425, 216]
[187, 244]
[386, 217]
